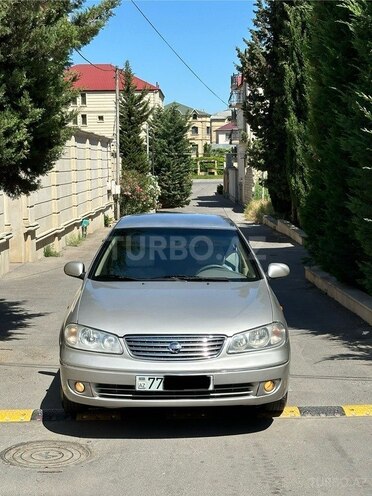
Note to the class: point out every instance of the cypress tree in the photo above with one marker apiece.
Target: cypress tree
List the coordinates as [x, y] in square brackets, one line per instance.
[333, 69]
[134, 111]
[171, 156]
[356, 136]
[296, 81]
[264, 108]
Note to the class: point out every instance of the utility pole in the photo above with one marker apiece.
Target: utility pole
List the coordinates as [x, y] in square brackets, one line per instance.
[117, 129]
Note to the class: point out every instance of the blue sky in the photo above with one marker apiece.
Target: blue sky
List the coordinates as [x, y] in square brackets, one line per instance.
[205, 33]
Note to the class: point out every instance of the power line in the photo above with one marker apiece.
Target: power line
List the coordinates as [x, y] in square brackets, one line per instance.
[91, 63]
[179, 56]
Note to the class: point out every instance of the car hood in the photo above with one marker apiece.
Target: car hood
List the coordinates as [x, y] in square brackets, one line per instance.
[173, 307]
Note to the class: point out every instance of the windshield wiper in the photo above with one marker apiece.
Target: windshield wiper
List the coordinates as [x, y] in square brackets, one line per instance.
[182, 277]
[115, 277]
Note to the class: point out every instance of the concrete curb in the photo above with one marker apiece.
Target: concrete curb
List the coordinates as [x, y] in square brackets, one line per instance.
[353, 299]
[21, 416]
[285, 227]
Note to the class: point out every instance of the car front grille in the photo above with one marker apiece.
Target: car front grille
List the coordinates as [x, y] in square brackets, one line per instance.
[122, 391]
[175, 347]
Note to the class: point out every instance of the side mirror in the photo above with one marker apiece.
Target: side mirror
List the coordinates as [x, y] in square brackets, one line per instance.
[276, 270]
[75, 269]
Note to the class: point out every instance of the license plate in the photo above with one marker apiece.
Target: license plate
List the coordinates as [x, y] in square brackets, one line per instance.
[149, 383]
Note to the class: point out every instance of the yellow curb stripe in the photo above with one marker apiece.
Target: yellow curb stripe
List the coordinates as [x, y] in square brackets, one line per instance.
[357, 410]
[15, 415]
[290, 411]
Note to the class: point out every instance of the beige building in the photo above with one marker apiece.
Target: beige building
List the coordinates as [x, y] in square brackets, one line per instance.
[217, 121]
[200, 127]
[96, 102]
[79, 187]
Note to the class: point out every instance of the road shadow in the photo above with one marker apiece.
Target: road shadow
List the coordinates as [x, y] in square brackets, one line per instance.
[307, 308]
[14, 319]
[150, 423]
[52, 399]
[217, 201]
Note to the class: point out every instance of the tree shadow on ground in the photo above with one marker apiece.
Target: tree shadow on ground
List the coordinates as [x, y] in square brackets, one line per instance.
[218, 201]
[306, 307]
[14, 318]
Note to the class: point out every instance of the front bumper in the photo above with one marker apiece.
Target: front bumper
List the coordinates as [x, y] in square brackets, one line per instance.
[236, 380]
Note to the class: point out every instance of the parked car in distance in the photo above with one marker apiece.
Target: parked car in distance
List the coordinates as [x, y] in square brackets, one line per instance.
[175, 310]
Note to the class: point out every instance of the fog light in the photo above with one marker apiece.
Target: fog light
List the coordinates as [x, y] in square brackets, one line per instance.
[269, 386]
[79, 387]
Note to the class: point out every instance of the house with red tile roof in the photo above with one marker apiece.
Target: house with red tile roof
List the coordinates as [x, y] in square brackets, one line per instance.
[96, 101]
[228, 134]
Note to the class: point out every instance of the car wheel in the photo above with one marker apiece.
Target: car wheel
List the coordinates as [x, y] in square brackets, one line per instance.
[275, 408]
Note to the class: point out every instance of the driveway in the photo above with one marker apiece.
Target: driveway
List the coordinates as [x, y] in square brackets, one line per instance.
[331, 347]
[181, 452]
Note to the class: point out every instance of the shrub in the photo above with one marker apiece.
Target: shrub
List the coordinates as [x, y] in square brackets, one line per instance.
[50, 251]
[139, 193]
[74, 240]
[256, 209]
[107, 220]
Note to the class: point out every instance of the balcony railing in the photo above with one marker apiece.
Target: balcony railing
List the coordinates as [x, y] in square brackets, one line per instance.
[237, 98]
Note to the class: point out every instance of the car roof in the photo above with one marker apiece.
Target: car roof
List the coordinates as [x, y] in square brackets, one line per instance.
[176, 220]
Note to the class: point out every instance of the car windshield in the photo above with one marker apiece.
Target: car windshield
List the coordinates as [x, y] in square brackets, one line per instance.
[175, 254]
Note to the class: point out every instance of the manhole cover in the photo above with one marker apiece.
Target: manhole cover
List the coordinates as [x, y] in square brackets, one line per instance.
[45, 454]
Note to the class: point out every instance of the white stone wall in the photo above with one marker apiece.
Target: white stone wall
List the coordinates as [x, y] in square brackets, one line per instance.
[75, 189]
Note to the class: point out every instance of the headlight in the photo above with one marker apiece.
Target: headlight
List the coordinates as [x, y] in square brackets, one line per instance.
[263, 337]
[84, 338]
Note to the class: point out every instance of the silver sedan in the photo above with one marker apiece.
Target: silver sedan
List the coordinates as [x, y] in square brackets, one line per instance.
[175, 310]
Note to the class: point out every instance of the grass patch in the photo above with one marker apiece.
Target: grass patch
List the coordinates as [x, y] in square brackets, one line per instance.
[207, 176]
[50, 251]
[74, 240]
[256, 209]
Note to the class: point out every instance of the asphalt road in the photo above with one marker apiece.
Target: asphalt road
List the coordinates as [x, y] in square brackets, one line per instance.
[171, 453]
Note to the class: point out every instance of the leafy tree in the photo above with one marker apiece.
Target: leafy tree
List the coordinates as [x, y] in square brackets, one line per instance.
[171, 156]
[134, 112]
[36, 40]
[335, 75]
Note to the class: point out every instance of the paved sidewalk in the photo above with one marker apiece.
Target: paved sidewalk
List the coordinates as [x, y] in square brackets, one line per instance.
[33, 300]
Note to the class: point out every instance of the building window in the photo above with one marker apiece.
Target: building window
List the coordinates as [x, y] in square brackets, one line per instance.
[75, 121]
[194, 150]
[83, 98]
[101, 118]
[208, 130]
[84, 120]
[74, 101]
[194, 130]
[195, 116]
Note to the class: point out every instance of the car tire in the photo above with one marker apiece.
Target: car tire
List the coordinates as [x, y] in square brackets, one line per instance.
[275, 408]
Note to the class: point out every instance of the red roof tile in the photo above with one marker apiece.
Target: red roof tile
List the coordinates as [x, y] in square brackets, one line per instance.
[101, 77]
[228, 127]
